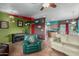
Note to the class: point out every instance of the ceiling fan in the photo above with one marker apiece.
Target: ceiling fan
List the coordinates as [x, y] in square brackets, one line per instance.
[46, 5]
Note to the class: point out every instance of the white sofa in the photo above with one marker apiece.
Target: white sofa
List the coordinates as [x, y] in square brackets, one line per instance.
[68, 45]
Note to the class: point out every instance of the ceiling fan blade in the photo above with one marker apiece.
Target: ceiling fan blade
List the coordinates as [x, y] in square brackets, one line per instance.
[53, 5]
[42, 8]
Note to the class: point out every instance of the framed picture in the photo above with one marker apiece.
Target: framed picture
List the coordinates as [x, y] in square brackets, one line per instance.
[39, 21]
[20, 23]
[4, 24]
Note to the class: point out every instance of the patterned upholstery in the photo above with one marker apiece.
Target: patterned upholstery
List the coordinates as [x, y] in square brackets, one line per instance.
[29, 46]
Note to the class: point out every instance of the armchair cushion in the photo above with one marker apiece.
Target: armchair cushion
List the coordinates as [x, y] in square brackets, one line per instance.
[29, 47]
[30, 39]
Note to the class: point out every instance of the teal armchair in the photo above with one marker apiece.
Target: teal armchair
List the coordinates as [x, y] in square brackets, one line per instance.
[31, 44]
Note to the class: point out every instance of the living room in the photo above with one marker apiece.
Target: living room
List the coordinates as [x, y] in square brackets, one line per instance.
[39, 29]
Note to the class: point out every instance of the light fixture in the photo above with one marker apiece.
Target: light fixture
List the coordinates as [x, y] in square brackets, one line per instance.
[39, 26]
[13, 21]
[11, 17]
[46, 5]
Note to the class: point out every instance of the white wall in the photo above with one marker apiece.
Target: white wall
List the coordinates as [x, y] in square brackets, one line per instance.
[61, 12]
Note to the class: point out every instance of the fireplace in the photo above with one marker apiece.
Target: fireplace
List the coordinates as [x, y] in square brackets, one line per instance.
[17, 37]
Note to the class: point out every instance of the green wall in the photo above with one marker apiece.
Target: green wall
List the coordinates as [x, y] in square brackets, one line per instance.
[5, 34]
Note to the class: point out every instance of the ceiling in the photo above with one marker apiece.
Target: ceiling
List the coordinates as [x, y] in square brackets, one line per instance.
[61, 12]
[24, 9]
